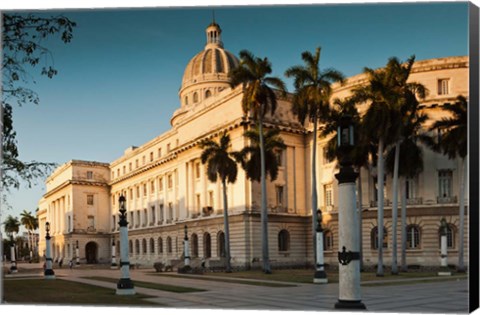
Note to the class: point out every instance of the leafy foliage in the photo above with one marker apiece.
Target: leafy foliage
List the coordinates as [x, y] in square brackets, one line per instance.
[23, 50]
[220, 162]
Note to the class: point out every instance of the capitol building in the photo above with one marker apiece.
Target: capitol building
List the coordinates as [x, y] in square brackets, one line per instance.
[166, 186]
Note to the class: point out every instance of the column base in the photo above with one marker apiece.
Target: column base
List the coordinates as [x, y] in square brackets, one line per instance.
[350, 305]
[320, 277]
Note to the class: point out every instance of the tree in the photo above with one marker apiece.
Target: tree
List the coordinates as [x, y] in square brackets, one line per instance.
[23, 50]
[11, 226]
[311, 101]
[381, 127]
[249, 156]
[259, 98]
[453, 142]
[30, 222]
[221, 163]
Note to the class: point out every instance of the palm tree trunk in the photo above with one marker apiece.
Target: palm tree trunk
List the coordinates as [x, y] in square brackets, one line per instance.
[380, 171]
[360, 223]
[395, 209]
[226, 226]
[462, 179]
[403, 225]
[264, 213]
[314, 191]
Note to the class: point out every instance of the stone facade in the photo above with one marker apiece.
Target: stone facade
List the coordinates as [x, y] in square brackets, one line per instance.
[166, 187]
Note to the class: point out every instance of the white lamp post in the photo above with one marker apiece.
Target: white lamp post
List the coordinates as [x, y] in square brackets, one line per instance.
[114, 259]
[125, 284]
[13, 266]
[49, 274]
[320, 274]
[349, 256]
[444, 271]
[77, 255]
[186, 247]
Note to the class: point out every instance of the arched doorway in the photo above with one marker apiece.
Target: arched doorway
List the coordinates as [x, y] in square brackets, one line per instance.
[91, 250]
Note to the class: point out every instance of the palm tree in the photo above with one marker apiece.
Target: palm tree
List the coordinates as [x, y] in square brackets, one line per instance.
[249, 156]
[258, 98]
[221, 164]
[311, 101]
[11, 226]
[453, 143]
[30, 222]
[382, 127]
[407, 109]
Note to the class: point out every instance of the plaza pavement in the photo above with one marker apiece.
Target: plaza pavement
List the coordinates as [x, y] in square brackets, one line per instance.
[427, 297]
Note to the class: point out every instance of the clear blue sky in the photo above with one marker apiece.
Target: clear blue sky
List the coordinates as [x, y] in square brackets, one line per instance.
[119, 77]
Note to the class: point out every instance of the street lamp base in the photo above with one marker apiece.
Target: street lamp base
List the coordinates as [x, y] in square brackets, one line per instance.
[49, 274]
[13, 269]
[320, 277]
[113, 266]
[125, 287]
[350, 305]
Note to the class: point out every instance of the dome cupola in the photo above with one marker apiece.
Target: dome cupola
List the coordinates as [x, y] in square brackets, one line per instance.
[207, 72]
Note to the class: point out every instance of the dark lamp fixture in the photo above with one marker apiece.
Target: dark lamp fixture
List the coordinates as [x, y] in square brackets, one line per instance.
[47, 227]
[345, 131]
[121, 202]
[186, 231]
[319, 215]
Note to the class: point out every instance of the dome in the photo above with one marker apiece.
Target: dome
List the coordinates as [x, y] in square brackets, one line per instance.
[207, 72]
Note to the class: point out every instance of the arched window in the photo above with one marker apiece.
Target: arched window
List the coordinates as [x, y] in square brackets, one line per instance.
[413, 236]
[130, 247]
[208, 94]
[328, 240]
[450, 236]
[137, 247]
[283, 240]
[194, 239]
[195, 97]
[169, 245]
[186, 100]
[374, 238]
[144, 246]
[160, 245]
[221, 244]
[207, 245]
[152, 246]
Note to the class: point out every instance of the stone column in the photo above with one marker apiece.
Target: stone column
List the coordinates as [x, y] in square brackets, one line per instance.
[49, 273]
[125, 284]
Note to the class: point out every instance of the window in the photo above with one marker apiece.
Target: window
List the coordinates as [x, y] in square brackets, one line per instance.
[221, 244]
[145, 217]
[138, 221]
[161, 212]
[169, 245]
[91, 222]
[208, 94]
[144, 190]
[170, 181]
[131, 220]
[450, 237]
[374, 238]
[413, 236]
[160, 245]
[138, 191]
[124, 169]
[153, 214]
[279, 157]
[328, 195]
[207, 245]
[168, 147]
[131, 193]
[137, 247]
[160, 152]
[375, 186]
[170, 210]
[130, 166]
[444, 183]
[90, 200]
[136, 163]
[410, 188]
[197, 199]
[210, 198]
[89, 175]
[443, 86]
[130, 247]
[328, 240]
[144, 246]
[152, 187]
[151, 156]
[194, 241]
[279, 195]
[143, 160]
[283, 241]
[186, 100]
[69, 221]
[197, 170]
[152, 246]
[118, 172]
[195, 97]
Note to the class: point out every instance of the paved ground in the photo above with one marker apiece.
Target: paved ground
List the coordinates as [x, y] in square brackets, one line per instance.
[440, 297]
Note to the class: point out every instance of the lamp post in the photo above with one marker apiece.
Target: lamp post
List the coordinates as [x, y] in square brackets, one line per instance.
[13, 266]
[114, 259]
[444, 271]
[49, 274]
[349, 256]
[186, 246]
[77, 255]
[125, 284]
[320, 274]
